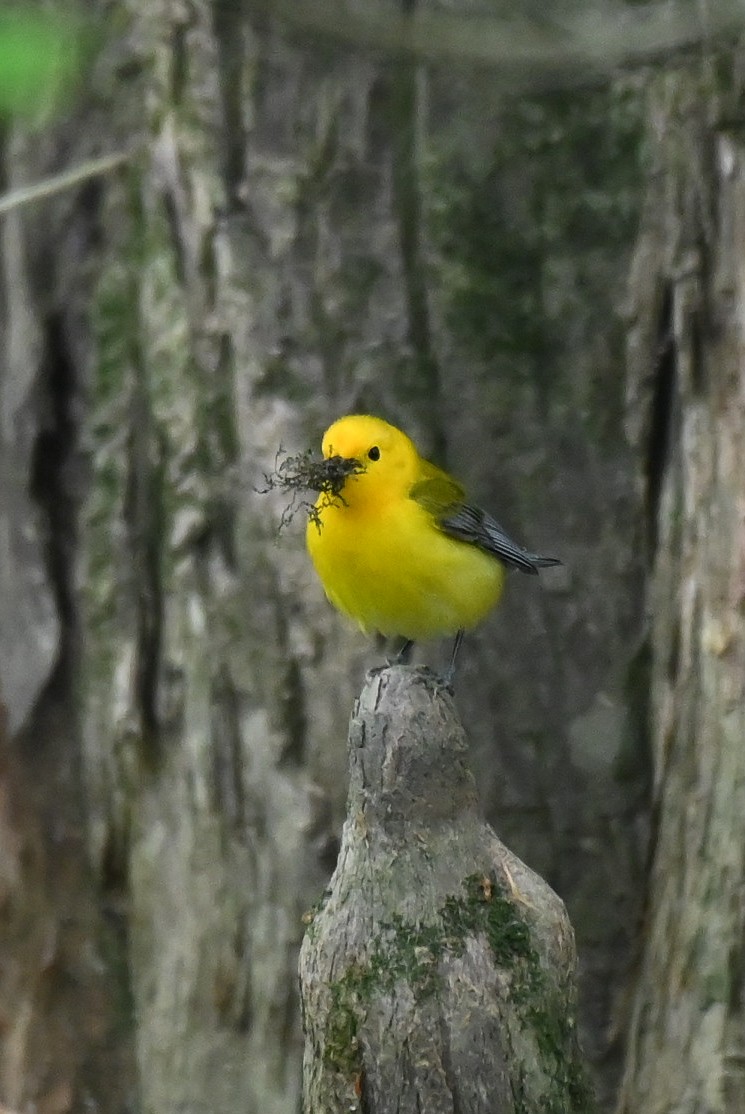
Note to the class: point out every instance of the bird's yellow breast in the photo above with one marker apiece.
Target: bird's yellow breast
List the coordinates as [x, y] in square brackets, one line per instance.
[387, 565]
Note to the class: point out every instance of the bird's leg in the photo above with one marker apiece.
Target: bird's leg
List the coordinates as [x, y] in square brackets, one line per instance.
[404, 653]
[450, 671]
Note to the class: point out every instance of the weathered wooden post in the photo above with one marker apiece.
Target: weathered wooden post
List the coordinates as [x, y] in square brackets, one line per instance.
[437, 976]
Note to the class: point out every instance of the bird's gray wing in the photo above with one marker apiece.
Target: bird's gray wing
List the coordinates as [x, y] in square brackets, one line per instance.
[471, 524]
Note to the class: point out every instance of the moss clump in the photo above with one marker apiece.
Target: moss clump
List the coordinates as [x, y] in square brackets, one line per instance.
[485, 910]
[342, 1049]
[305, 472]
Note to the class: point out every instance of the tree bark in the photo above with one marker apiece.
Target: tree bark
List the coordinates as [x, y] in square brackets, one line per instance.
[687, 416]
[438, 973]
[64, 990]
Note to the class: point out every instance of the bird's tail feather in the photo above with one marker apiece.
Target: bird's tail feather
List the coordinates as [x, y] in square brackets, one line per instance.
[543, 562]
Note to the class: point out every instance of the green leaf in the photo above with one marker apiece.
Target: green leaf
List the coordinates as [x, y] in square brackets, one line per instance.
[39, 57]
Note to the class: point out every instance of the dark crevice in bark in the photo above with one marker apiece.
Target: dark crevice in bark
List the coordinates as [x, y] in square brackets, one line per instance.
[176, 239]
[145, 517]
[53, 490]
[226, 753]
[294, 717]
[220, 438]
[365, 1107]
[229, 24]
[113, 865]
[292, 702]
[697, 342]
[179, 59]
[425, 379]
[664, 404]
[51, 472]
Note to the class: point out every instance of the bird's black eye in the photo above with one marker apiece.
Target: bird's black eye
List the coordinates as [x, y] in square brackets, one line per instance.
[374, 453]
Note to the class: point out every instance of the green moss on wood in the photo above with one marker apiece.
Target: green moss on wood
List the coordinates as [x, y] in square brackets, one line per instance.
[410, 953]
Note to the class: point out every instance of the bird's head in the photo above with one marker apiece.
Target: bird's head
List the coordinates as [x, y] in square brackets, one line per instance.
[373, 460]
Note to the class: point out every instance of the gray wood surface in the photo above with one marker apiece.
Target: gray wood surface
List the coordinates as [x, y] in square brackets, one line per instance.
[438, 973]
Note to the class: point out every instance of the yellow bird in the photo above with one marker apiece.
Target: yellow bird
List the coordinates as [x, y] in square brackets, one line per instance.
[396, 544]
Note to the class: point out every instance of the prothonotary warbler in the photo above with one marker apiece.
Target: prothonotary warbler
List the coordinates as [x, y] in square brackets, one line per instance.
[397, 546]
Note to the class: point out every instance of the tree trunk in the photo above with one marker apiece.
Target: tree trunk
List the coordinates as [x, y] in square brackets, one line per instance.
[438, 973]
[687, 410]
[306, 228]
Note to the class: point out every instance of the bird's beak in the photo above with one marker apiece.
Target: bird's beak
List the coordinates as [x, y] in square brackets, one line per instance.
[331, 474]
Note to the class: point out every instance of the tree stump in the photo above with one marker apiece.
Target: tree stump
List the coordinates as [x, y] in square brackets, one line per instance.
[437, 973]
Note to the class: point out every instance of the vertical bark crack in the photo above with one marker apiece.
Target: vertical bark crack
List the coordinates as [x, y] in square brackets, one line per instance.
[52, 475]
[663, 410]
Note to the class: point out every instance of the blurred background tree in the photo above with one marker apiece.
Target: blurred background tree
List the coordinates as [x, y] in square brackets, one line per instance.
[518, 236]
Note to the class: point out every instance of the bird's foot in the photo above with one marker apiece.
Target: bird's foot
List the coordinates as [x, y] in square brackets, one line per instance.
[448, 676]
[444, 683]
[403, 655]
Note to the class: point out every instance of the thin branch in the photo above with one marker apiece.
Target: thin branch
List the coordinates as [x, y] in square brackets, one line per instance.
[588, 43]
[93, 168]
